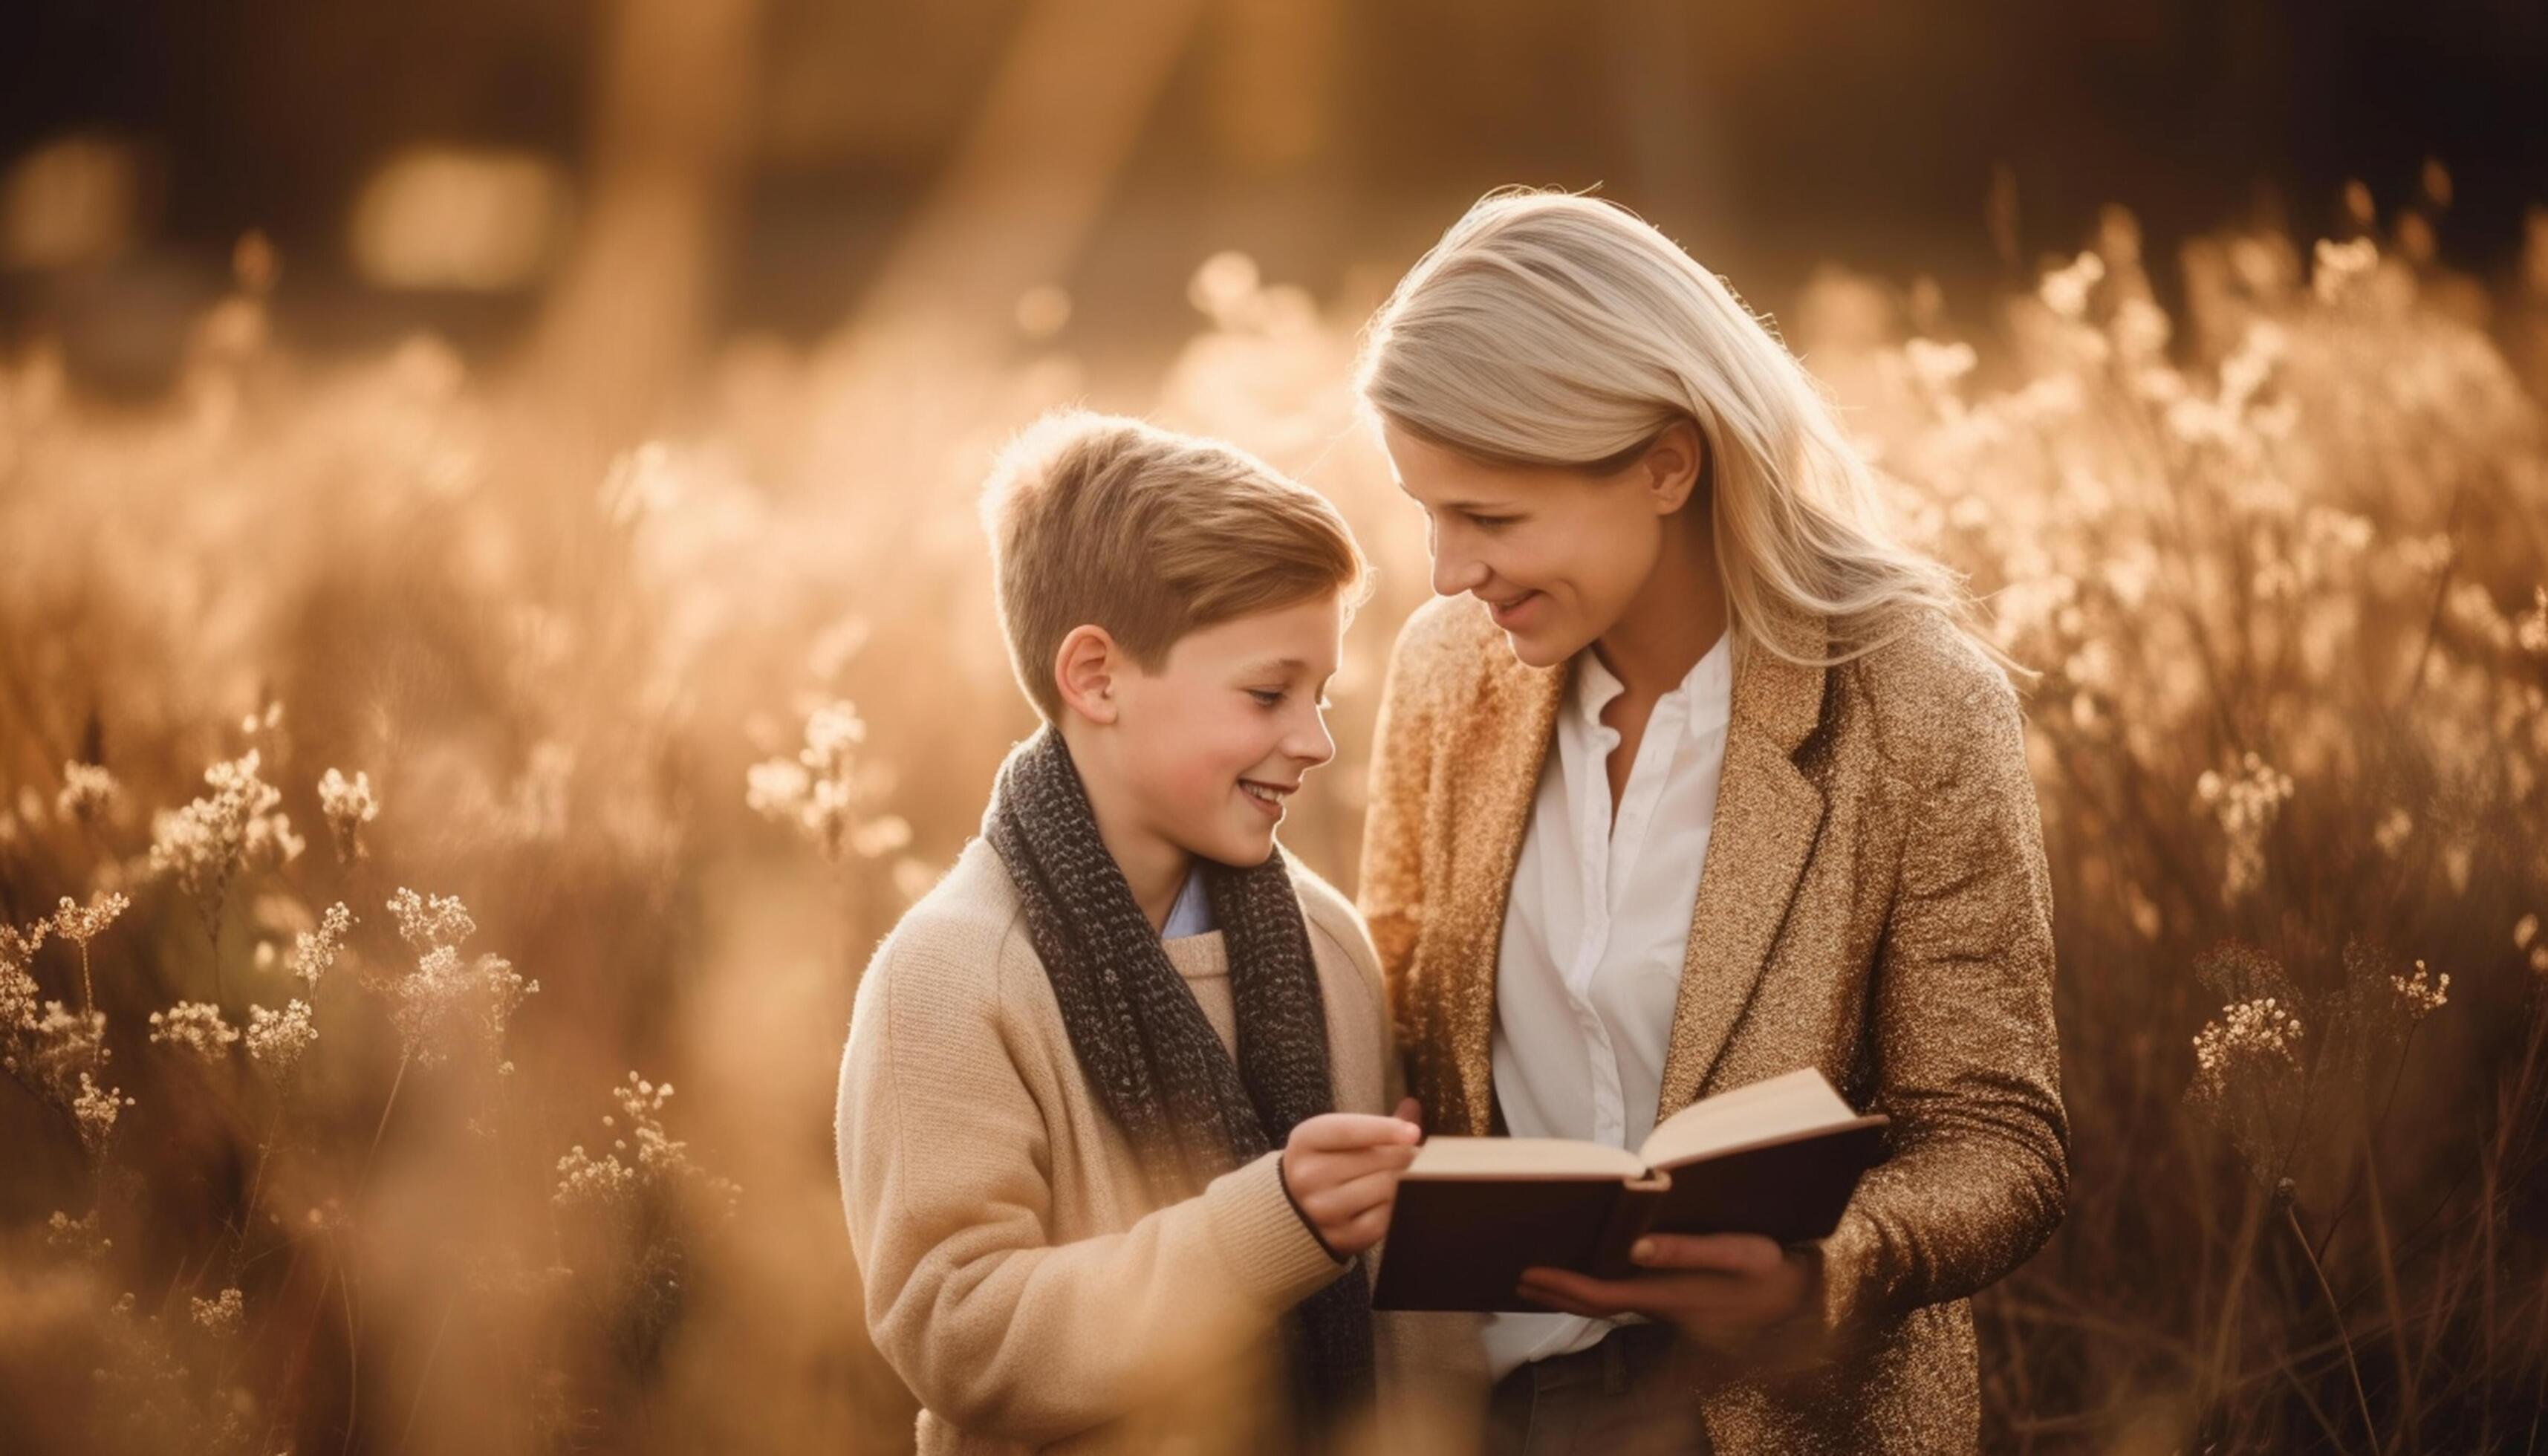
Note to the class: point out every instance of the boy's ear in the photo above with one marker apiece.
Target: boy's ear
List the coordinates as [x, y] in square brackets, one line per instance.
[1084, 671]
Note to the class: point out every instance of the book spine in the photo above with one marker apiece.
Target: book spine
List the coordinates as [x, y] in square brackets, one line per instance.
[1640, 1199]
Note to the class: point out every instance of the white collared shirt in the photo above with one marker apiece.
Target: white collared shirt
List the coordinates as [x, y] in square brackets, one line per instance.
[1595, 933]
[1191, 914]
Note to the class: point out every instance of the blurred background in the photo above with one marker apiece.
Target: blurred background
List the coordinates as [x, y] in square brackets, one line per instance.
[469, 167]
[506, 470]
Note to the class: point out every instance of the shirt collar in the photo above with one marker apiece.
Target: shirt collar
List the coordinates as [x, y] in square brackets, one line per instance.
[1191, 915]
[1707, 689]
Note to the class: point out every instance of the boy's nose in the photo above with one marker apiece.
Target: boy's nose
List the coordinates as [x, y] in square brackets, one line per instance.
[1315, 746]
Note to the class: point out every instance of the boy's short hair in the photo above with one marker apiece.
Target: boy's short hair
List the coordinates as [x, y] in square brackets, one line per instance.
[1099, 520]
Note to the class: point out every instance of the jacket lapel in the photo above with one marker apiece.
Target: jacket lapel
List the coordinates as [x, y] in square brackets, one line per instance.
[1502, 748]
[1766, 816]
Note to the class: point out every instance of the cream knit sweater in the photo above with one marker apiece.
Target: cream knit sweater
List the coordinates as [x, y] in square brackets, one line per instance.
[1016, 1276]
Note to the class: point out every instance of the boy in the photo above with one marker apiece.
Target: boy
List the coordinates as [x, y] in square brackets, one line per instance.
[1110, 1127]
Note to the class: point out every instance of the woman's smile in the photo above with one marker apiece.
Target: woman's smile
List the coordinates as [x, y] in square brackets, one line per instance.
[1512, 611]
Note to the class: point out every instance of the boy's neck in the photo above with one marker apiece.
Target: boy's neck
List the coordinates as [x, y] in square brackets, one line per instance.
[1155, 868]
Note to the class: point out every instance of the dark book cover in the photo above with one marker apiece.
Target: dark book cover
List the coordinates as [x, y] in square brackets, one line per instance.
[1462, 1243]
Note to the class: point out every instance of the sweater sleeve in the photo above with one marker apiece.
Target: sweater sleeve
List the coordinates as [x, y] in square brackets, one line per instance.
[1967, 1062]
[944, 1175]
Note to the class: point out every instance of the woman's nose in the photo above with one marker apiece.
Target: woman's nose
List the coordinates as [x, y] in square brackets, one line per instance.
[1455, 572]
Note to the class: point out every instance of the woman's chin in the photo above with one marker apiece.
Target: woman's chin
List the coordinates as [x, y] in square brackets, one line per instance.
[1540, 649]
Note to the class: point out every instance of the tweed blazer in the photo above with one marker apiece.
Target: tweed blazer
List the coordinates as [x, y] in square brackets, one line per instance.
[1873, 903]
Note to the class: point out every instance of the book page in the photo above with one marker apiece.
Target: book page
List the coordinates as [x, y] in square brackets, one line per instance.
[1800, 1101]
[1521, 1157]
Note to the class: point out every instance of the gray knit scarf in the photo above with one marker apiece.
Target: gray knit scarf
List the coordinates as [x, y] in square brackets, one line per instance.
[1161, 1071]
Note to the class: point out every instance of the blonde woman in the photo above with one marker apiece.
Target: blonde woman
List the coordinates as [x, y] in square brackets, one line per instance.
[1693, 776]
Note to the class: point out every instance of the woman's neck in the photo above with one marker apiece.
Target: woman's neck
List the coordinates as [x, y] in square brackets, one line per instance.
[1675, 618]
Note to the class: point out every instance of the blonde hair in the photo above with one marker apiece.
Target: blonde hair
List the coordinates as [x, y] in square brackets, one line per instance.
[1098, 519]
[1553, 329]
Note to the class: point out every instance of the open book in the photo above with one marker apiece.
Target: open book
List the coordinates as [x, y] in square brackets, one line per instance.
[1778, 1158]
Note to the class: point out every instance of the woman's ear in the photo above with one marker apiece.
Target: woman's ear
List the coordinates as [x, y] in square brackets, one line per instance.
[1084, 671]
[1673, 466]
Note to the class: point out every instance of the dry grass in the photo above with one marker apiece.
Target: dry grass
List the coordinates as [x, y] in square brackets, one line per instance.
[384, 779]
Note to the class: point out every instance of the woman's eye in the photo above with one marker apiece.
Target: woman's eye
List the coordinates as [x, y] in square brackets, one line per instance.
[1269, 697]
[1489, 522]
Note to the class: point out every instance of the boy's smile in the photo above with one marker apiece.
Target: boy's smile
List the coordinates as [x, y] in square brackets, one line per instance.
[1267, 796]
[1200, 757]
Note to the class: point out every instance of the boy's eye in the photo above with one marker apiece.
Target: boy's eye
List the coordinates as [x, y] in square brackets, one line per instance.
[1269, 697]
[1489, 522]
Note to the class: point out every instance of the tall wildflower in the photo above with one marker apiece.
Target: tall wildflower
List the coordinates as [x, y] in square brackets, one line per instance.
[96, 1108]
[52, 1050]
[277, 1040]
[445, 993]
[204, 844]
[194, 1027]
[18, 993]
[2420, 994]
[80, 924]
[40, 1043]
[348, 805]
[56, 1047]
[2246, 806]
[2247, 1061]
[827, 791]
[313, 952]
[221, 1314]
[2248, 1032]
[88, 793]
[658, 1162]
[624, 1213]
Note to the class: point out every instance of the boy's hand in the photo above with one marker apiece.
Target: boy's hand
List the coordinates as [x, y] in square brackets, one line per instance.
[1342, 1169]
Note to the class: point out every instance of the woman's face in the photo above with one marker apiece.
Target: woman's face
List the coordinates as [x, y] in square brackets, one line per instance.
[1558, 555]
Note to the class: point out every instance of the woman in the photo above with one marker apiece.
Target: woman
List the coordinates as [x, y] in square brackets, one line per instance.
[1692, 777]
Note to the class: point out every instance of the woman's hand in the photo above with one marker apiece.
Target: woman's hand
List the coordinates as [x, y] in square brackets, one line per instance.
[1341, 1170]
[1725, 1290]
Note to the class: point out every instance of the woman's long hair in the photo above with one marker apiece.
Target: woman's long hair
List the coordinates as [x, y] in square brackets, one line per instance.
[1550, 329]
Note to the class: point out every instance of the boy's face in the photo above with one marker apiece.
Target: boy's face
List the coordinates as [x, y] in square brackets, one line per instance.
[1211, 745]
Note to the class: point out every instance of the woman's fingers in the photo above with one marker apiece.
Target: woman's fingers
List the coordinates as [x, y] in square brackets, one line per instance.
[1551, 1294]
[1741, 1254]
[1581, 1294]
[1678, 1297]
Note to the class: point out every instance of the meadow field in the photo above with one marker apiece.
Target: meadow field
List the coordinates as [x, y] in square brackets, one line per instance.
[402, 796]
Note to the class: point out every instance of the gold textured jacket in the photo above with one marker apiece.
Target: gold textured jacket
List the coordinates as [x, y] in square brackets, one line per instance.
[1874, 903]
